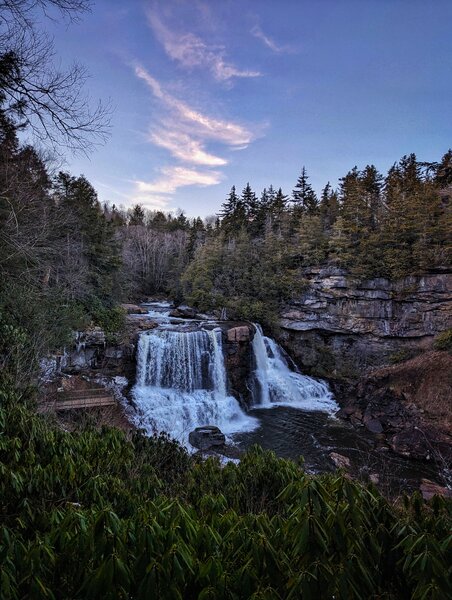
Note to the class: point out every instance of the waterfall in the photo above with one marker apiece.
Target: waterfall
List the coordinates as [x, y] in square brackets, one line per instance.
[279, 386]
[181, 384]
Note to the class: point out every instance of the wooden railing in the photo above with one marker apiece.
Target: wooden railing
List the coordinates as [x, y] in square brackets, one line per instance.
[78, 399]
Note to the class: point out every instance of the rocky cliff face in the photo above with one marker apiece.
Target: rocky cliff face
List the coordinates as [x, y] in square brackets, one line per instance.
[341, 327]
[239, 361]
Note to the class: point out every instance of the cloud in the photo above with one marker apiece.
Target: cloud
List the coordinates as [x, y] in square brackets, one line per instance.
[268, 41]
[185, 148]
[185, 133]
[150, 201]
[191, 51]
[227, 132]
[157, 194]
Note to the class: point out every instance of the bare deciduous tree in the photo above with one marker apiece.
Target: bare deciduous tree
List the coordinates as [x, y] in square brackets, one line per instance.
[49, 101]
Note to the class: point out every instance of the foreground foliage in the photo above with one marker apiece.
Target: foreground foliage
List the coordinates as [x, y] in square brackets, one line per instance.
[91, 514]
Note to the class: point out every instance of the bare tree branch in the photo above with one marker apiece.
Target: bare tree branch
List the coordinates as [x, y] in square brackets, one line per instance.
[49, 101]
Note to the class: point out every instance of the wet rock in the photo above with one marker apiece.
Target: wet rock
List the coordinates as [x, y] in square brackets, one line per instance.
[134, 309]
[411, 442]
[142, 324]
[239, 363]
[239, 334]
[341, 462]
[408, 405]
[183, 312]
[373, 425]
[430, 488]
[206, 437]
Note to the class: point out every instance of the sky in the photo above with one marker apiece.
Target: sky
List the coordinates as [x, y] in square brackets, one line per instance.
[213, 93]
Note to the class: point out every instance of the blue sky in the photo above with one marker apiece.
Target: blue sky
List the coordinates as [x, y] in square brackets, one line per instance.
[214, 93]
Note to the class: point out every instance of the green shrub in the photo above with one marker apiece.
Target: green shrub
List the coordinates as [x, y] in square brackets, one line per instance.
[110, 318]
[92, 514]
[443, 341]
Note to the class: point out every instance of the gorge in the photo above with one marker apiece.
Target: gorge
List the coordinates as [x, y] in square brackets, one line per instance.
[194, 371]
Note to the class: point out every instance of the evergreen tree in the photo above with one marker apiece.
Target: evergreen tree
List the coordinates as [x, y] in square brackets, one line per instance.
[96, 239]
[233, 213]
[278, 209]
[196, 237]
[443, 175]
[159, 221]
[303, 196]
[263, 215]
[136, 217]
[371, 184]
[251, 207]
[312, 244]
[328, 208]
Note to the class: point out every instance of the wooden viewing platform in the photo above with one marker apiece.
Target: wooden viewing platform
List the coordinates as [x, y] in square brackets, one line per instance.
[78, 399]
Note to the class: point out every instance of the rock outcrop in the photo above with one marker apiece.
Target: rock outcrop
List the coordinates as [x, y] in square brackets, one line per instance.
[239, 359]
[409, 404]
[206, 437]
[340, 327]
[187, 312]
[134, 309]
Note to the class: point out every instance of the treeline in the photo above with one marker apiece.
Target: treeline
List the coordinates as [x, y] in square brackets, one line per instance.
[371, 226]
[90, 514]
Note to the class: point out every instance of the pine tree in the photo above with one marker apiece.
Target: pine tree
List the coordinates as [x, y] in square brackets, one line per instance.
[303, 196]
[263, 216]
[136, 217]
[312, 244]
[278, 210]
[97, 242]
[233, 213]
[251, 206]
[371, 184]
[328, 208]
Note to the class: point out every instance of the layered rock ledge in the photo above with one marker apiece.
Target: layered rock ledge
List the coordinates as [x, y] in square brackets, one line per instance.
[342, 327]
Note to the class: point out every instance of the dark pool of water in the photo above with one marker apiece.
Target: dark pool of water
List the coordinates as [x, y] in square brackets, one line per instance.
[293, 433]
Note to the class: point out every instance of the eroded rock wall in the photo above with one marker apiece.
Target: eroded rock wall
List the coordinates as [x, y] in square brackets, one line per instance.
[239, 361]
[341, 327]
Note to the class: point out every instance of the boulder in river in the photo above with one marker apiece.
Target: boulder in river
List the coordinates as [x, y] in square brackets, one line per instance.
[206, 437]
[184, 312]
[134, 309]
[341, 461]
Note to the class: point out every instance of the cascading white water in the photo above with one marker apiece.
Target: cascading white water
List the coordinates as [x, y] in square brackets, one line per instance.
[159, 311]
[279, 386]
[181, 384]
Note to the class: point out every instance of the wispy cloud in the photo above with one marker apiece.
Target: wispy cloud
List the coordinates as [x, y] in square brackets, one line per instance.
[157, 194]
[174, 177]
[191, 51]
[150, 201]
[185, 148]
[227, 132]
[268, 41]
[185, 132]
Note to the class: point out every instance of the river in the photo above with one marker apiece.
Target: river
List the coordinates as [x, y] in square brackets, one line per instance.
[181, 384]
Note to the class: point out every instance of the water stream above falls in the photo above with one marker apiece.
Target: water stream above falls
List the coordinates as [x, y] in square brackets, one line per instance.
[181, 384]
